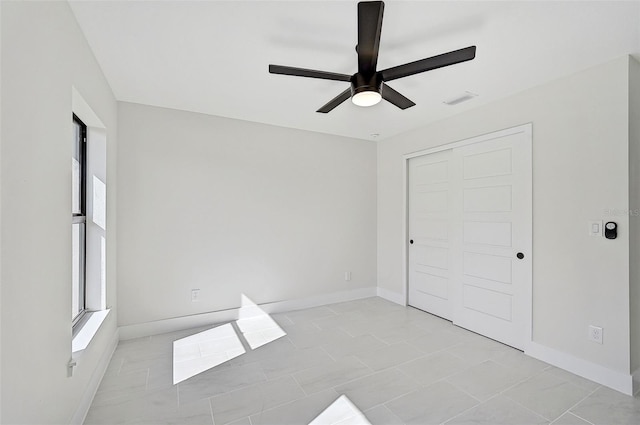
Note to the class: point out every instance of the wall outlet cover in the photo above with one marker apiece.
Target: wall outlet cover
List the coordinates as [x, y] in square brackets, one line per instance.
[595, 334]
[195, 295]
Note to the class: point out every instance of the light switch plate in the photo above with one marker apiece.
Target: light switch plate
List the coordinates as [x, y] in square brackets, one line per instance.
[595, 228]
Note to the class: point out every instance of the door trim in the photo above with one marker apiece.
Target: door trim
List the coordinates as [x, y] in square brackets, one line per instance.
[526, 129]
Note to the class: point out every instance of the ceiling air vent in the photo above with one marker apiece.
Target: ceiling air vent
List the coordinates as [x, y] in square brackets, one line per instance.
[460, 98]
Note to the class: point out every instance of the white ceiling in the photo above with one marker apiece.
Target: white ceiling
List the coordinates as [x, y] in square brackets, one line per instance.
[212, 56]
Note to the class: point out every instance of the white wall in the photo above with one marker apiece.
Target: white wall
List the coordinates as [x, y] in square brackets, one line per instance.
[44, 54]
[0, 212]
[580, 169]
[634, 209]
[232, 207]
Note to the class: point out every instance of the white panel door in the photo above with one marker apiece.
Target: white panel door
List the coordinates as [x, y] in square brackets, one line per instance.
[493, 201]
[470, 220]
[430, 202]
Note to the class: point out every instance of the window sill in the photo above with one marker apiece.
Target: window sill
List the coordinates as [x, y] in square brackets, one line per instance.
[82, 338]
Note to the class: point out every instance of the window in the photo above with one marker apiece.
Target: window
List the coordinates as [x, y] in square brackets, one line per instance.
[79, 218]
[89, 224]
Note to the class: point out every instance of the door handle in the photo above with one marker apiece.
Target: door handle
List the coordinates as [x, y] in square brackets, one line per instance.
[411, 241]
[520, 255]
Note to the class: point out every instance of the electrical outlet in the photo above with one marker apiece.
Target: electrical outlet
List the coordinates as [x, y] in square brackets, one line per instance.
[347, 276]
[195, 295]
[595, 334]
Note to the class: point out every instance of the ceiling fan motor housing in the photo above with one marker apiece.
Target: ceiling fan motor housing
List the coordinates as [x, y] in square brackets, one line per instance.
[361, 83]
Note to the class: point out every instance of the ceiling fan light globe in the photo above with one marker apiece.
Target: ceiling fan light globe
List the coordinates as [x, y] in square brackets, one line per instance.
[366, 98]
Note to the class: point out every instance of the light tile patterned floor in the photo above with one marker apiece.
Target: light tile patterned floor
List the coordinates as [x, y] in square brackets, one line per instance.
[396, 364]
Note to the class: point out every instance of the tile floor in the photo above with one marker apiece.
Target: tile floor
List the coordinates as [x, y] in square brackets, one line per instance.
[397, 365]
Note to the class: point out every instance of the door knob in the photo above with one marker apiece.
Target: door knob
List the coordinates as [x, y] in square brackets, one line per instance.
[411, 241]
[520, 255]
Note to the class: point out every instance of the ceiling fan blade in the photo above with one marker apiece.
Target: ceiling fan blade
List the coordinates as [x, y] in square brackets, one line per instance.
[311, 73]
[335, 101]
[396, 98]
[428, 64]
[369, 29]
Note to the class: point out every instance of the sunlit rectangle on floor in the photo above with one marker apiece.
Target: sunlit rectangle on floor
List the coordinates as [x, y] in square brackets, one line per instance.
[341, 411]
[205, 350]
[257, 327]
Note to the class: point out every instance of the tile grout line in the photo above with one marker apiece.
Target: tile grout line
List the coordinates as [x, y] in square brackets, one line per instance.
[577, 416]
[120, 367]
[211, 411]
[384, 403]
[499, 393]
[372, 372]
[447, 348]
[296, 380]
[580, 401]
[464, 391]
[394, 365]
[441, 379]
[547, 367]
[539, 414]
[349, 381]
[444, 378]
[361, 362]
[327, 353]
[262, 383]
[529, 409]
[346, 331]
[538, 374]
[385, 407]
[480, 403]
[255, 384]
[386, 344]
[289, 402]
[292, 343]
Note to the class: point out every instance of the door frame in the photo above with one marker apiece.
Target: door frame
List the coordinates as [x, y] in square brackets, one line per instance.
[527, 130]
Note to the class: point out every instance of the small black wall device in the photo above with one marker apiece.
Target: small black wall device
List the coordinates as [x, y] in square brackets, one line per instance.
[611, 230]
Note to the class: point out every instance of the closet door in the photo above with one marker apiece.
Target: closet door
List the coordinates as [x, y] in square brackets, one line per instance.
[494, 237]
[430, 203]
[470, 224]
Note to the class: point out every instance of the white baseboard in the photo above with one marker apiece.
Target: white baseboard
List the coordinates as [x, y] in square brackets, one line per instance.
[394, 297]
[610, 378]
[196, 320]
[94, 382]
[636, 381]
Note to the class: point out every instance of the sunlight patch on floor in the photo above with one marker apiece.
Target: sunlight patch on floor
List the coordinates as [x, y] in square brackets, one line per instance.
[341, 412]
[207, 349]
[257, 327]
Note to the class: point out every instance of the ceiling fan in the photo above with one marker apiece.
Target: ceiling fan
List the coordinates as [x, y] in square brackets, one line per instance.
[368, 86]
